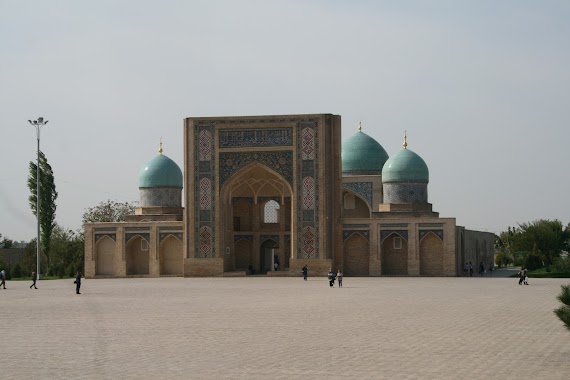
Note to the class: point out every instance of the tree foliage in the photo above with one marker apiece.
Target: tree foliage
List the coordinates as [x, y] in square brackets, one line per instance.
[563, 312]
[6, 243]
[540, 241]
[67, 251]
[108, 211]
[48, 196]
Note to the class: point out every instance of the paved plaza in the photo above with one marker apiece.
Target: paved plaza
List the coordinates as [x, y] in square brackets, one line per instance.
[284, 328]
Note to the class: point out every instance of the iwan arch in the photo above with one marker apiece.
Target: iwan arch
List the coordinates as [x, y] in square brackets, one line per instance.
[267, 190]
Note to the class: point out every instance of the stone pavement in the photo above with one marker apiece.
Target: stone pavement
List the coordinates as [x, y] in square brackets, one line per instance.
[284, 328]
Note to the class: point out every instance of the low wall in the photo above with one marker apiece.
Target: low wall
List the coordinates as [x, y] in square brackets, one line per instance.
[194, 267]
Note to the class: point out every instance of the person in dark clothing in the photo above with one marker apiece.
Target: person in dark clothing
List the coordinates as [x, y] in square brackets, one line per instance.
[331, 277]
[77, 282]
[481, 269]
[522, 274]
[305, 271]
[34, 278]
[3, 279]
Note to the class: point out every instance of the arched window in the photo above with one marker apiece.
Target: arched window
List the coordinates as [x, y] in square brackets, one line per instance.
[349, 203]
[271, 212]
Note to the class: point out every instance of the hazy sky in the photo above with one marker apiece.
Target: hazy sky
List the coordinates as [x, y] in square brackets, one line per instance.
[482, 87]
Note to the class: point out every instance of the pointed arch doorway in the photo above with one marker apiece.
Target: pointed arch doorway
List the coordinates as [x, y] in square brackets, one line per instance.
[256, 204]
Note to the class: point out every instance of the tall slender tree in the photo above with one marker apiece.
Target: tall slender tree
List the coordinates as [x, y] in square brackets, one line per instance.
[48, 196]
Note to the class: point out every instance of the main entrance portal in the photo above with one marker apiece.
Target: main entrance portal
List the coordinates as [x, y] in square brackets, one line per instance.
[257, 205]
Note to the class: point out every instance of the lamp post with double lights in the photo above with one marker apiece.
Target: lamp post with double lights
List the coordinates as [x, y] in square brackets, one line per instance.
[38, 124]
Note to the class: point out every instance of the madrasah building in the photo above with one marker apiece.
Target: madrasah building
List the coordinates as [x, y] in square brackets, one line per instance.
[270, 194]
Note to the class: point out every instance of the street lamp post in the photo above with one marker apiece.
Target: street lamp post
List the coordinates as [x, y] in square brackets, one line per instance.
[38, 124]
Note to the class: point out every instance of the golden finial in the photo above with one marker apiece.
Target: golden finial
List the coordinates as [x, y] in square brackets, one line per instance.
[160, 150]
[360, 126]
[405, 144]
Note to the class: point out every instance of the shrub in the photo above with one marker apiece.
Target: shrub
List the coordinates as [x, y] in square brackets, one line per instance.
[563, 312]
[533, 262]
[16, 271]
[562, 264]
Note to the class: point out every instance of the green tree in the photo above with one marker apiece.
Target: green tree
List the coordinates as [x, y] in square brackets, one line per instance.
[48, 196]
[67, 248]
[6, 243]
[108, 211]
[29, 261]
[541, 241]
[563, 312]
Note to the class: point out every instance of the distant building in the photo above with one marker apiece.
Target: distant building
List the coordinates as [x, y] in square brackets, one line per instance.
[263, 190]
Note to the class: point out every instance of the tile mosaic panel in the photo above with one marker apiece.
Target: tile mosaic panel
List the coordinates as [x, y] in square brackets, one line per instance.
[309, 248]
[129, 236]
[205, 247]
[263, 238]
[348, 233]
[308, 143]
[308, 193]
[205, 194]
[205, 145]
[438, 233]
[385, 233]
[99, 236]
[280, 161]
[164, 235]
[364, 189]
[255, 137]
[244, 237]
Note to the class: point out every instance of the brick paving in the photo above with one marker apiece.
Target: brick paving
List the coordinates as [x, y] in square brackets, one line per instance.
[284, 328]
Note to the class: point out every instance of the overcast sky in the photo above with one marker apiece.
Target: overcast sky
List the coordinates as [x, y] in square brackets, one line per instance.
[482, 87]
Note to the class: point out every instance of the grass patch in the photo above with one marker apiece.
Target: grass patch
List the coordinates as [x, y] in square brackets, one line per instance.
[542, 273]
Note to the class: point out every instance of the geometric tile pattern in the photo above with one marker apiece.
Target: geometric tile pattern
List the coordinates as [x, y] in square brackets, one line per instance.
[205, 194]
[204, 145]
[348, 233]
[438, 233]
[308, 193]
[309, 244]
[99, 236]
[308, 143]
[255, 137]
[164, 235]
[205, 245]
[280, 161]
[385, 233]
[362, 188]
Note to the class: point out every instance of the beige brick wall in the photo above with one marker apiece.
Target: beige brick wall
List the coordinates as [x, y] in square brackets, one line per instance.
[431, 256]
[394, 261]
[356, 256]
[194, 267]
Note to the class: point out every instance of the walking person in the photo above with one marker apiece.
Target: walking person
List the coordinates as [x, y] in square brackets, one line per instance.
[77, 282]
[522, 274]
[305, 271]
[481, 269]
[331, 277]
[34, 278]
[339, 278]
[3, 278]
[525, 274]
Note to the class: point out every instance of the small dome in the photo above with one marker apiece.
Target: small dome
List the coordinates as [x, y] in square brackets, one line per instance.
[361, 154]
[161, 171]
[405, 166]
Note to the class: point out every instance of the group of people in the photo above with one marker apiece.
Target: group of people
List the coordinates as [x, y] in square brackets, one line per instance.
[77, 281]
[523, 276]
[332, 276]
[468, 269]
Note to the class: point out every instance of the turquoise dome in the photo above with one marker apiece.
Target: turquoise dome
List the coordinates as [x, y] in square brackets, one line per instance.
[161, 171]
[361, 154]
[405, 166]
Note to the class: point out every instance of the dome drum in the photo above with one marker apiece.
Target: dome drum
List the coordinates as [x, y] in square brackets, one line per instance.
[160, 196]
[402, 193]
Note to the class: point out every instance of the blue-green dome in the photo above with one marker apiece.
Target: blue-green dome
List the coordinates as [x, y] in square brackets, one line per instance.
[161, 171]
[361, 154]
[405, 166]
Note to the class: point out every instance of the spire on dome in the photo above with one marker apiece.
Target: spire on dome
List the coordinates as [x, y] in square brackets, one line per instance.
[405, 144]
[160, 149]
[360, 126]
